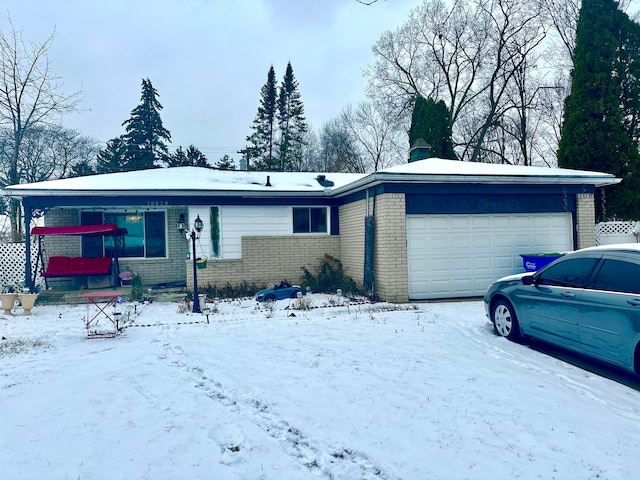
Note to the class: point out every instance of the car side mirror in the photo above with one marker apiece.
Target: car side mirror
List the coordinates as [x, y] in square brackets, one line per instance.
[528, 280]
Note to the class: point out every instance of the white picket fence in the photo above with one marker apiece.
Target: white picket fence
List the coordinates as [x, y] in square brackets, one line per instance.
[608, 233]
[12, 256]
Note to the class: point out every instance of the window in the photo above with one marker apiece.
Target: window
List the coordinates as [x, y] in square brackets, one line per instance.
[618, 276]
[570, 273]
[145, 237]
[310, 220]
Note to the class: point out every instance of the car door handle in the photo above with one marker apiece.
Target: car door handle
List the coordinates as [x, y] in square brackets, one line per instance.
[568, 294]
[635, 302]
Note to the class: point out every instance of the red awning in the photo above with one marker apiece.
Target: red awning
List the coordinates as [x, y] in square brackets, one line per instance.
[108, 229]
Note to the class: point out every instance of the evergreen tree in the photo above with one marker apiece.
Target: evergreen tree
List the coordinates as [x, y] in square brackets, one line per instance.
[431, 122]
[192, 157]
[593, 133]
[261, 140]
[145, 135]
[82, 169]
[225, 163]
[196, 157]
[291, 122]
[112, 158]
[178, 158]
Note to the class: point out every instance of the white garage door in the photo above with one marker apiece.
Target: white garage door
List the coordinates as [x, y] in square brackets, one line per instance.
[453, 256]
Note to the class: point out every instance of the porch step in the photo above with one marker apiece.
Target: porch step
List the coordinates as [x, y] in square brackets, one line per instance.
[72, 297]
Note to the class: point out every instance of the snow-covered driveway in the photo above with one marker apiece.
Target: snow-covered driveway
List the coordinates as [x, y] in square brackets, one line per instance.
[422, 392]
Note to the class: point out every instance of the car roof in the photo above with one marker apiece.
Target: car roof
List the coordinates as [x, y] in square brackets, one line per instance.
[617, 247]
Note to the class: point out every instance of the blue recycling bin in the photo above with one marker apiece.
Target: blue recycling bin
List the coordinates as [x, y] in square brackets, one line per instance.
[532, 262]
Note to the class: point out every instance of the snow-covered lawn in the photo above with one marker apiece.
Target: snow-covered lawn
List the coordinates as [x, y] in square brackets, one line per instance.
[420, 392]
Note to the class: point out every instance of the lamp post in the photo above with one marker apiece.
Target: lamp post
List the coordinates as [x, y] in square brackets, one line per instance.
[193, 234]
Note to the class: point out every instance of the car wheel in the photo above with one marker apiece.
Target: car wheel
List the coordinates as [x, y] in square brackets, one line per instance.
[505, 321]
[270, 298]
[294, 294]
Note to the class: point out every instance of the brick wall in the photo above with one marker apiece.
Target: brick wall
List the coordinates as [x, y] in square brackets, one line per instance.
[352, 218]
[585, 220]
[390, 258]
[268, 260]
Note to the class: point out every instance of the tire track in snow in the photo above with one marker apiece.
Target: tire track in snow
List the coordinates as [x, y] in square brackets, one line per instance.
[325, 461]
[485, 339]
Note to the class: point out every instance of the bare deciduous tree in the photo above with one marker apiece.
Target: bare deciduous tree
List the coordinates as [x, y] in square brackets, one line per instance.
[376, 130]
[30, 96]
[477, 56]
[338, 150]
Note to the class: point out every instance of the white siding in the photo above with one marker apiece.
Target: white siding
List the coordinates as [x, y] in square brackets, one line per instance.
[240, 221]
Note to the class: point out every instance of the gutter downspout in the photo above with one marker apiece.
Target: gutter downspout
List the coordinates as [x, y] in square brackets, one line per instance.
[369, 245]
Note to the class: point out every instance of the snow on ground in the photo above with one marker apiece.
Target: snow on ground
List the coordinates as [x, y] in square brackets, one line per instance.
[371, 391]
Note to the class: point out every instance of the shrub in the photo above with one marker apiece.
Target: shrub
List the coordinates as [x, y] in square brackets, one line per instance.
[330, 278]
[231, 291]
[136, 288]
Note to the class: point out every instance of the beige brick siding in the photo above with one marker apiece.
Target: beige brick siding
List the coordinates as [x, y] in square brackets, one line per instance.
[390, 247]
[268, 260]
[390, 258]
[352, 218]
[585, 220]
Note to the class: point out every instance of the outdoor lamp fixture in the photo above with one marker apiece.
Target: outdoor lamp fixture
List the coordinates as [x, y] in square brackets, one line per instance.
[198, 225]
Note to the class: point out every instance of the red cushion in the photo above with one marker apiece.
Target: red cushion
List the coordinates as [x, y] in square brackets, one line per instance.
[79, 265]
[100, 265]
[67, 266]
[58, 265]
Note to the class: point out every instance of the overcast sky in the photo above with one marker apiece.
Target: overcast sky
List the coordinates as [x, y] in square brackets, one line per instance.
[208, 59]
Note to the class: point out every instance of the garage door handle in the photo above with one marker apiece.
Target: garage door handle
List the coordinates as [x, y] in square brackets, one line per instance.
[635, 302]
[568, 294]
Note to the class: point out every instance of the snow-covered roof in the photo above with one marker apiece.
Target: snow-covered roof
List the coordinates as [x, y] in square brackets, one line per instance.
[187, 181]
[196, 180]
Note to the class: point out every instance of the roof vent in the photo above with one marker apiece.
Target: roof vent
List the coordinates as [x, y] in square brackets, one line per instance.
[322, 180]
[268, 184]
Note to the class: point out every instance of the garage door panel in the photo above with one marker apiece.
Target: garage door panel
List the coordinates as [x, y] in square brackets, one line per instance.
[438, 243]
[462, 285]
[481, 241]
[481, 222]
[502, 241]
[440, 264]
[459, 242]
[460, 255]
[482, 263]
[461, 264]
[501, 222]
[460, 222]
[522, 241]
[503, 262]
[434, 223]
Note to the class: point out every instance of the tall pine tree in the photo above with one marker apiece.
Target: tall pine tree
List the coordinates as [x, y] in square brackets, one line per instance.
[431, 122]
[259, 153]
[145, 135]
[593, 133]
[291, 122]
[192, 157]
[113, 158]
